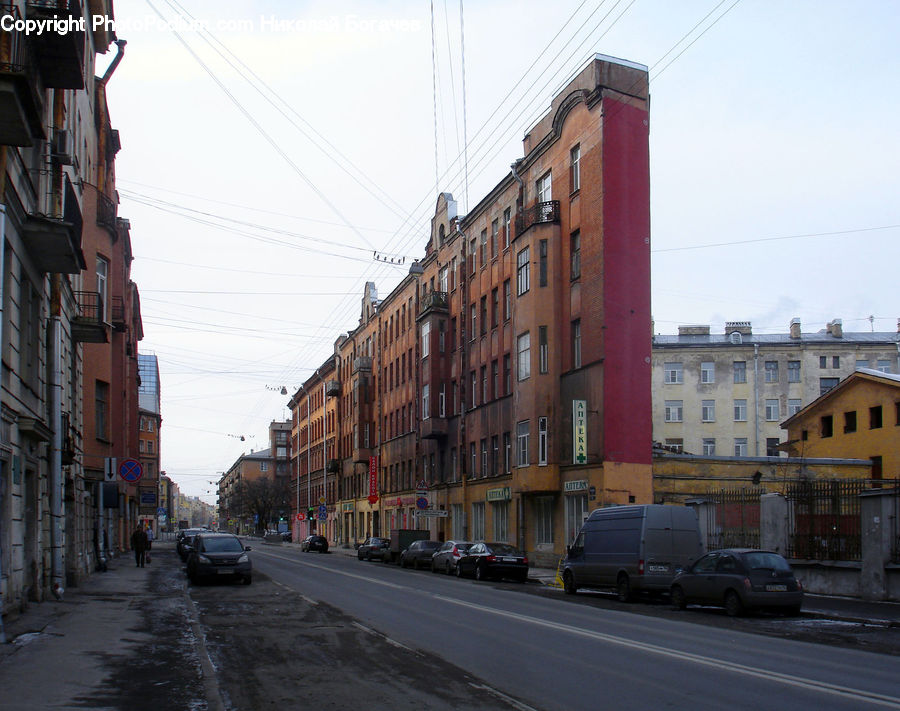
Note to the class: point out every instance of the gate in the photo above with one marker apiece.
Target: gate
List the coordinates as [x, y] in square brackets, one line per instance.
[732, 518]
[824, 519]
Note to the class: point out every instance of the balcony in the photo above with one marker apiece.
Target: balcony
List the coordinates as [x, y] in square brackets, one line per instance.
[59, 55]
[433, 428]
[332, 388]
[434, 301]
[362, 454]
[88, 325]
[362, 364]
[67, 450]
[54, 243]
[21, 106]
[117, 313]
[540, 213]
[333, 465]
[106, 214]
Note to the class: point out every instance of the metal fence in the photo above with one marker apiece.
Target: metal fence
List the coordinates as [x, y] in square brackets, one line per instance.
[824, 519]
[732, 519]
[895, 521]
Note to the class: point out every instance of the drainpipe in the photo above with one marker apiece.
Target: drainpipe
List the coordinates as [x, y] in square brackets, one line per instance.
[755, 399]
[2, 272]
[120, 52]
[54, 356]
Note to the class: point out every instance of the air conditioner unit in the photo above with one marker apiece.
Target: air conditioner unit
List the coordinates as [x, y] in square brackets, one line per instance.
[61, 147]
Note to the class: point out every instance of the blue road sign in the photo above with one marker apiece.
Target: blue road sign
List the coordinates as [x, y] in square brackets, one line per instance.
[421, 503]
[323, 510]
[323, 516]
[131, 470]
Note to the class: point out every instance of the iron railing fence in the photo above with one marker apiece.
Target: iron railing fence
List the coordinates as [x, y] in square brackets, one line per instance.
[733, 519]
[824, 519]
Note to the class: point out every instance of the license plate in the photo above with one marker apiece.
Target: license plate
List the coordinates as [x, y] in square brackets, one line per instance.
[776, 588]
[658, 568]
[509, 560]
[225, 571]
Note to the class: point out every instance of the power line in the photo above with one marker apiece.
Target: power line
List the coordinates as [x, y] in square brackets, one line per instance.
[775, 239]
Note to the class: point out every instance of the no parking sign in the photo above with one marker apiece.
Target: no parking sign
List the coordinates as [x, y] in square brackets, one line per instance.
[131, 470]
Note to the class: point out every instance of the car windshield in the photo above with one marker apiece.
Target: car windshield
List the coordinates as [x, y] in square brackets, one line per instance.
[503, 549]
[222, 545]
[766, 561]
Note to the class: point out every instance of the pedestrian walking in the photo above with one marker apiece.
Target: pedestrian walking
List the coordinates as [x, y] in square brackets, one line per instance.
[139, 545]
[149, 540]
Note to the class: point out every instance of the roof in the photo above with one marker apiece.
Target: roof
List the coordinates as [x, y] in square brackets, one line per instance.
[780, 339]
[889, 379]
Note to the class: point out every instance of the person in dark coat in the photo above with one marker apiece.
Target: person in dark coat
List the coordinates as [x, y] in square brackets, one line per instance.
[139, 545]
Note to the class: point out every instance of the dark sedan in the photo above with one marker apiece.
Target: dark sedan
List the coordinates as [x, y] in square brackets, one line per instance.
[314, 543]
[184, 539]
[219, 555]
[493, 560]
[375, 547]
[419, 553]
[446, 557]
[739, 579]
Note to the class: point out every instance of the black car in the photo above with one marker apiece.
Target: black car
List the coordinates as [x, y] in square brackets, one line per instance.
[314, 543]
[219, 555]
[446, 557]
[375, 547]
[739, 579]
[183, 540]
[493, 560]
[419, 553]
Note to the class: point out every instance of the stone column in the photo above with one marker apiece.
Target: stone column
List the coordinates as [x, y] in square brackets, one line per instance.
[773, 523]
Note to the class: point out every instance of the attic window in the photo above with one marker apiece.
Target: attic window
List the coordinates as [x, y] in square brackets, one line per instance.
[736, 338]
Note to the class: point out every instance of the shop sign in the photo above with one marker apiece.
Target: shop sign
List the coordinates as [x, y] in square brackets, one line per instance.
[373, 480]
[579, 431]
[579, 485]
[501, 494]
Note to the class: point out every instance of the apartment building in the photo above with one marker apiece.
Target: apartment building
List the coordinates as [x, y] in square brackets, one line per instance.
[235, 509]
[502, 389]
[727, 394]
[150, 493]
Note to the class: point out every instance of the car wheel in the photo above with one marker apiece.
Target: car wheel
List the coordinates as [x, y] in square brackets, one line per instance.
[447, 569]
[433, 567]
[569, 584]
[248, 579]
[733, 605]
[402, 562]
[679, 602]
[459, 572]
[623, 589]
[479, 572]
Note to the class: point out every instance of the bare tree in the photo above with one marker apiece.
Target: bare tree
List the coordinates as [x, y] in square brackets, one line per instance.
[266, 498]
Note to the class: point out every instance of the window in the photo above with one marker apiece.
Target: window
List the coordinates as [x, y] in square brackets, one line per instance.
[101, 409]
[495, 229]
[495, 379]
[523, 348]
[442, 279]
[507, 453]
[507, 300]
[543, 350]
[484, 459]
[771, 371]
[835, 361]
[575, 254]
[473, 459]
[507, 222]
[740, 446]
[850, 421]
[483, 247]
[576, 343]
[507, 374]
[772, 410]
[472, 257]
[523, 277]
[740, 410]
[823, 361]
[793, 371]
[474, 380]
[794, 406]
[442, 400]
[495, 307]
[740, 371]
[675, 445]
[709, 447]
[485, 393]
[544, 189]
[501, 520]
[575, 168]
[708, 411]
[264, 466]
[543, 519]
[484, 320]
[883, 365]
[495, 454]
[875, 420]
[674, 373]
[141, 446]
[542, 441]
[522, 443]
[707, 372]
[426, 339]
[826, 425]
[542, 263]
[426, 408]
[478, 521]
[862, 363]
[102, 277]
[772, 447]
[674, 410]
[473, 314]
[826, 384]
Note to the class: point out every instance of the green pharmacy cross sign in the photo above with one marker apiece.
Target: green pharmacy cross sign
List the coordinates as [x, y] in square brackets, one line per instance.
[579, 431]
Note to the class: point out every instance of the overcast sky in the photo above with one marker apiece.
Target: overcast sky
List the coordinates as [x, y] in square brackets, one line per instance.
[256, 206]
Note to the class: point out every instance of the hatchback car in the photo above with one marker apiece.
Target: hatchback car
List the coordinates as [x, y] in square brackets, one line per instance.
[446, 557]
[183, 540]
[314, 543]
[739, 579]
[419, 553]
[375, 548]
[493, 560]
[219, 555]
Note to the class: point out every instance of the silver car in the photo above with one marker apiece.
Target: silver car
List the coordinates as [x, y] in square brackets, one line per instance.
[447, 556]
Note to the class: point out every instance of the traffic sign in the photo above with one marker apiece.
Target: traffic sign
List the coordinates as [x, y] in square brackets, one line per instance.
[323, 509]
[131, 470]
[433, 513]
[321, 499]
[421, 503]
[323, 516]
[301, 516]
[373, 499]
[109, 468]
[161, 511]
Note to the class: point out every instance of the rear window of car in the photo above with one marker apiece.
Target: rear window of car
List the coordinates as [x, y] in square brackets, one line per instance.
[222, 545]
[766, 561]
[503, 549]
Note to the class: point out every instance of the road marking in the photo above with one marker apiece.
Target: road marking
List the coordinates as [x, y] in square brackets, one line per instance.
[307, 600]
[376, 633]
[787, 679]
[340, 572]
[515, 703]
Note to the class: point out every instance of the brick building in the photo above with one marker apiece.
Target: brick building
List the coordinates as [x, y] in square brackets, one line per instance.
[506, 379]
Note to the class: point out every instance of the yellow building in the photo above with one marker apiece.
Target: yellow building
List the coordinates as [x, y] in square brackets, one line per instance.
[860, 419]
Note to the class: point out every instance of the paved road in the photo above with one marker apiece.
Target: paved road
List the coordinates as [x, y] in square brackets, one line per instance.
[552, 654]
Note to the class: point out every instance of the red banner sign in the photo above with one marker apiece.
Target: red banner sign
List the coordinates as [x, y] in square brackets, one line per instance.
[373, 480]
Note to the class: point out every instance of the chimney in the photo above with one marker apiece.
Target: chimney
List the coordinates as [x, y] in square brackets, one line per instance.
[693, 330]
[743, 327]
[835, 328]
[795, 328]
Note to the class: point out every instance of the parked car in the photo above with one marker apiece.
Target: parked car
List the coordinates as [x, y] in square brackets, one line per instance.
[419, 553]
[287, 536]
[219, 555]
[446, 557]
[739, 579]
[632, 548]
[183, 540]
[493, 560]
[314, 543]
[375, 547]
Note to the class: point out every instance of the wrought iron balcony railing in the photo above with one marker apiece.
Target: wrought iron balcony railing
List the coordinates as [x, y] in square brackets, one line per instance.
[539, 213]
[106, 213]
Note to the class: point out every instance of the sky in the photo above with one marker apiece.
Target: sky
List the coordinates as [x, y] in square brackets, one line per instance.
[277, 155]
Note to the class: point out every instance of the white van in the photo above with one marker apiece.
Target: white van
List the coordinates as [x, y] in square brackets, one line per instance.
[632, 548]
